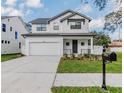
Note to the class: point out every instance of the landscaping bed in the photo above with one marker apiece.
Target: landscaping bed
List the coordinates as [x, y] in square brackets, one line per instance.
[7, 57]
[86, 90]
[89, 66]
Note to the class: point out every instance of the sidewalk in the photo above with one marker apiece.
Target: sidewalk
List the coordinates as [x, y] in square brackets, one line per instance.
[87, 79]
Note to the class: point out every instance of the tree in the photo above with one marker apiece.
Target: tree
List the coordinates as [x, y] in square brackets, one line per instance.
[113, 20]
[101, 38]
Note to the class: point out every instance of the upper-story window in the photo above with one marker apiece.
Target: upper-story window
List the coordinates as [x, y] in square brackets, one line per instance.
[10, 28]
[16, 35]
[89, 42]
[75, 25]
[4, 27]
[56, 27]
[41, 27]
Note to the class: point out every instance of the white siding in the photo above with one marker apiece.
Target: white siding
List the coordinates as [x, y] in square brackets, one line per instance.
[63, 26]
[16, 25]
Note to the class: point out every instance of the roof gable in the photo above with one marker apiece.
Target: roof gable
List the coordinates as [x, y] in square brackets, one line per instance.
[59, 15]
[75, 13]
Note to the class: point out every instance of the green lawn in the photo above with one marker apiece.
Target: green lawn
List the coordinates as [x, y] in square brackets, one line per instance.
[81, 66]
[7, 57]
[86, 90]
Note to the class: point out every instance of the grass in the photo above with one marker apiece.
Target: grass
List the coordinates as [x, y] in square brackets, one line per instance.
[86, 90]
[7, 57]
[81, 66]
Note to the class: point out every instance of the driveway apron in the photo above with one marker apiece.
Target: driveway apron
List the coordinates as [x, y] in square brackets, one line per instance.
[29, 74]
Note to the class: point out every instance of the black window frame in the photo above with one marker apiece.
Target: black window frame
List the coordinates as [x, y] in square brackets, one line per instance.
[2, 41]
[89, 42]
[56, 27]
[16, 35]
[67, 43]
[19, 45]
[4, 27]
[77, 25]
[8, 42]
[10, 28]
[82, 43]
[42, 27]
[5, 41]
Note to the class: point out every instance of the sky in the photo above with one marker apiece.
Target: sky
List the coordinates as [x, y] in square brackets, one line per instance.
[32, 9]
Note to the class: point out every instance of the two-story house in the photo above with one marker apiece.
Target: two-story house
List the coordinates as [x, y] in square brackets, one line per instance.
[11, 29]
[65, 33]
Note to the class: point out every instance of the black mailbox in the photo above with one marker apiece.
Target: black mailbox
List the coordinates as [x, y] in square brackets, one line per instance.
[113, 56]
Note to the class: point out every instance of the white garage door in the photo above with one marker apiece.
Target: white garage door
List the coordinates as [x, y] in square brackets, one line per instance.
[45, 48]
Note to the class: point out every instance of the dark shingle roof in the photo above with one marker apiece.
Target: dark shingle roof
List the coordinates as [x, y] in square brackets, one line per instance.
[4, 17]
[40, 21]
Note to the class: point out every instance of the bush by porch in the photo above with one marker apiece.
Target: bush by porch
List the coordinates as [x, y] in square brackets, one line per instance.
[89, 66]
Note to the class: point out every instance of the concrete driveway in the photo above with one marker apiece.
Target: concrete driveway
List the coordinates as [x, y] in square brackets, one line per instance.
[30, 74]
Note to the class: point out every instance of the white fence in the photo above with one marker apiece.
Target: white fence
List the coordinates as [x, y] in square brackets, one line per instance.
[97, 50]
[116, 49]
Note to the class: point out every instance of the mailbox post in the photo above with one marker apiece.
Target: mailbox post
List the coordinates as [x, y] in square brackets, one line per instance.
[104, 69]
[106, 58]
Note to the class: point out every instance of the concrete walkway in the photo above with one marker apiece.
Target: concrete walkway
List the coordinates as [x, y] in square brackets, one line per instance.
[87, 79]
[30, 74]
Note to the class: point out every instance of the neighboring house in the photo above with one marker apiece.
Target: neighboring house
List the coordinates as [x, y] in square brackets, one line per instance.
[116, 46]
[11, 29]
[66, 33]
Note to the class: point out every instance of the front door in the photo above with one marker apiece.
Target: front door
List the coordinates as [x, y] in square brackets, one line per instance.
[74, 46]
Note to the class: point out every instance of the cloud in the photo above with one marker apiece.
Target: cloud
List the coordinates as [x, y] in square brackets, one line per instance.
[84, 8]
[34, 3]
[10, 2]
[10, 11]
[97, 23]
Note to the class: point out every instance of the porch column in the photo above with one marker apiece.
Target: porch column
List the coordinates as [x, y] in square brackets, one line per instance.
[91, 44]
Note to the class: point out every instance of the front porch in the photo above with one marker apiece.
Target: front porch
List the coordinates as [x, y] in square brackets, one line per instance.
[78, 45]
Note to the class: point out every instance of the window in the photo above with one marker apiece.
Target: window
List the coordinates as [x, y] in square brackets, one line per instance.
[8, 42]
[5, 41]
[16, 35]
[10, 28]
[84, 22]
[89, 42]
[41, 27]
[82, 43]
[67, 44]
[2, 41]
[4, 27]
[56, 27]
[75, 25]
[19, 44]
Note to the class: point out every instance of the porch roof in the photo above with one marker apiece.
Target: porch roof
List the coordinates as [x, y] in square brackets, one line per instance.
[58, 34]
